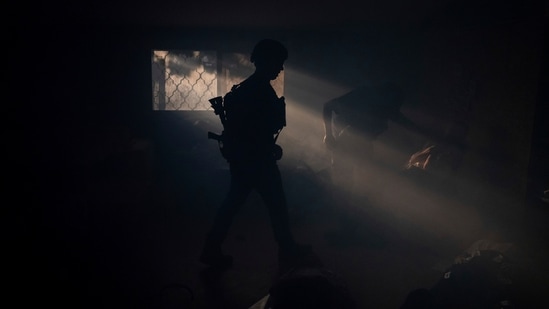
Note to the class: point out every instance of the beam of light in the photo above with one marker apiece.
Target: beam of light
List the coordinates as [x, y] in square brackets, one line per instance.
[379, 184]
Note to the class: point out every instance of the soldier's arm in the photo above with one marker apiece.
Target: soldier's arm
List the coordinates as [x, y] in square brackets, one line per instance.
[328, 109]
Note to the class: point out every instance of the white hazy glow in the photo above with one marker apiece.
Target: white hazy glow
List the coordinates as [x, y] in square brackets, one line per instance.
[380, 183]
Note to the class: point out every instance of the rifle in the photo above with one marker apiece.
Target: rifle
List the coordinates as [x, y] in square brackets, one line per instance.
[215, 136]
[217, 105]
[219, 109]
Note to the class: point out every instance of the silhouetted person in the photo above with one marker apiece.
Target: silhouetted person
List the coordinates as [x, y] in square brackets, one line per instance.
[361, 116]
[352, 123]
[254, 116]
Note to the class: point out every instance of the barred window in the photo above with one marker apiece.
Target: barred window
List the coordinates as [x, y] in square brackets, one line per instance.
[184, 80]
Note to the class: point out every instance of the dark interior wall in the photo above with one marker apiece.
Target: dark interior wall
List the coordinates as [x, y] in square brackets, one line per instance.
[538, 169]
[482, 81]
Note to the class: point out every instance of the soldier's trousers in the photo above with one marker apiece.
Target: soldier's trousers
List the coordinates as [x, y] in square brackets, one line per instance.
[265, 178]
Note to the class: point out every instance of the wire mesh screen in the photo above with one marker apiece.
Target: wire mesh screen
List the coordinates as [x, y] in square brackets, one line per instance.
[185, 80]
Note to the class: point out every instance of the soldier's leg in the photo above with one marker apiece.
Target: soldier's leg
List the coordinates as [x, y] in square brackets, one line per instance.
[269, 186]
[271, 190]
[240, 188]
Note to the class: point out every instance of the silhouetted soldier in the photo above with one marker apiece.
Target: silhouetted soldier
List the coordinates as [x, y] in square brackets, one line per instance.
[352, 123]
[254, 116]
[361, 115]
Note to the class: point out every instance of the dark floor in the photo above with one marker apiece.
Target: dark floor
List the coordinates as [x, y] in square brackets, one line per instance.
[131, 240]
